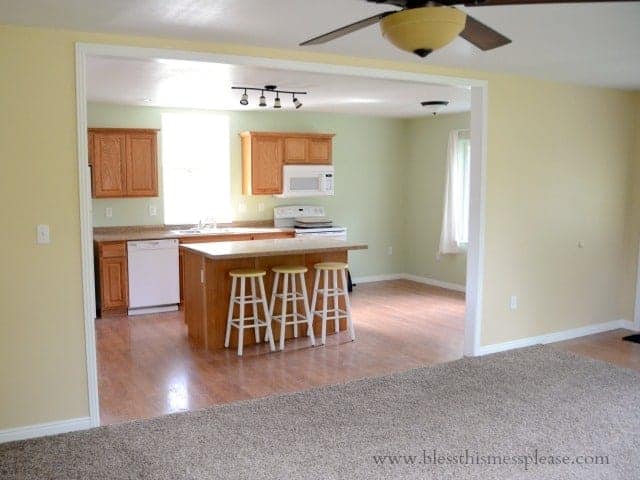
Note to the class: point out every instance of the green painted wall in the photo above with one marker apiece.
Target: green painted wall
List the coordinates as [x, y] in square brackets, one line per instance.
[426, 170]
[368, 154]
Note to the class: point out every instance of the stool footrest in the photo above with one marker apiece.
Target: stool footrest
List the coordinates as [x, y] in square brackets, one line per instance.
[331, 314]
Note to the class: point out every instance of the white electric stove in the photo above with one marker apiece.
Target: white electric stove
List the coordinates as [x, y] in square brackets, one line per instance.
[307, 221]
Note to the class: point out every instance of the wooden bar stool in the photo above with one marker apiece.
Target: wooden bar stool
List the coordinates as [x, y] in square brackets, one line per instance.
[294, 296]
[242, 300]
[336, 292]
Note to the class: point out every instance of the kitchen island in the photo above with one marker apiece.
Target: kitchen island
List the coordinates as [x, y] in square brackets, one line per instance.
[207, 285]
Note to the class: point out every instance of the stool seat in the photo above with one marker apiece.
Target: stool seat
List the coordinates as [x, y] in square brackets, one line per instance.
[247, 272]
[289, 269]
[331, 266]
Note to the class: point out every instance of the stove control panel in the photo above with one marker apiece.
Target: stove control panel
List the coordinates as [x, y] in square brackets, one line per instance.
[285, 216]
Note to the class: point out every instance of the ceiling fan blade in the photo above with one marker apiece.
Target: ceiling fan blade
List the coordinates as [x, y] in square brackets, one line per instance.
[482, 36]
[352, 27]
[488, 3]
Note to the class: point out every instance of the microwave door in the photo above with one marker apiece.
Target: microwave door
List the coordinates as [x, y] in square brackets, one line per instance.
[304, 185]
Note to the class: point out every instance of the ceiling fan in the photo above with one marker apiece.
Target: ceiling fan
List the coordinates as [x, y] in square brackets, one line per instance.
[422, 26]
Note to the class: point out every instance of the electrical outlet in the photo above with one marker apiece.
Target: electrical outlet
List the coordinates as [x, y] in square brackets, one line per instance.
[389, 250]
[153, 211]
[513, 302]
[242, 207]
[261, 207]
[108, 212]
[43, 234]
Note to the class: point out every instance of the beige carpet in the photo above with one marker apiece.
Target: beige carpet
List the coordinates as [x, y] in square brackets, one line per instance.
[486, 418]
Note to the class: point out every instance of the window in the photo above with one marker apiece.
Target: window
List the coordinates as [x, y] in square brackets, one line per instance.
[455, 219]
[195, 164]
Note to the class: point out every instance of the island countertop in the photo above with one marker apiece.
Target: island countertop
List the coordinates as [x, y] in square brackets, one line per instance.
[273, 247]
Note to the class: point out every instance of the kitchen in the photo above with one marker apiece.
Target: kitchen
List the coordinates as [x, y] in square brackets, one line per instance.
[253, 201]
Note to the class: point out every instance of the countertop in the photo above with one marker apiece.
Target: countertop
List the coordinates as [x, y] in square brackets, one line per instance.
[267, 248]
[159, 234]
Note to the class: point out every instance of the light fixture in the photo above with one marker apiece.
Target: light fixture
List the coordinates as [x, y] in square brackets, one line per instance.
[434, 106]
[296, 102]
[277, 103]
[244, 100]
[423, 30]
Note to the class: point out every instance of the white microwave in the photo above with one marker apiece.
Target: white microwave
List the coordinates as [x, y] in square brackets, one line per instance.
[307, 181]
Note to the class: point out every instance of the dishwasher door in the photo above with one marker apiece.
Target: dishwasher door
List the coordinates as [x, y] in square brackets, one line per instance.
[154, 283]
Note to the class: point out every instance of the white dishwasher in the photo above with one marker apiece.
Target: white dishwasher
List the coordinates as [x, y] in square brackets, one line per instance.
[154, 283]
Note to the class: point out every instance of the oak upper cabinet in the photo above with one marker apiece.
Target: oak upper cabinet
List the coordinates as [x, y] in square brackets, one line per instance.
[308, 148]
[262, 159]
[265, 153]
[123, 162]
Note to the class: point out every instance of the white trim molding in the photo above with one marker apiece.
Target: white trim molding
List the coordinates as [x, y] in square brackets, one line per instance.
[479, 107]
[636, 310]
[44, 429]
[434, 283]
[408, 276]
[557, 336]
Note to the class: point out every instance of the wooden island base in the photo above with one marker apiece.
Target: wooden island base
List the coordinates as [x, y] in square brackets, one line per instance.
[207, 287]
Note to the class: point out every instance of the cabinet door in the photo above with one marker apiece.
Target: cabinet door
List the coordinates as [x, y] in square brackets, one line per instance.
[296, 150]
[141, 164]
[114, 287]
[320, 150]
[108, 164]
[266, 165]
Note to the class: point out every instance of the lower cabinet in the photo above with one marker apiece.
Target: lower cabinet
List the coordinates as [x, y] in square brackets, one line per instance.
[112, 275]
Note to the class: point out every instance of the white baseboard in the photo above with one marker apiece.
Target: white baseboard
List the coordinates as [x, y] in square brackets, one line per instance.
[44, 429]
[433, 282]
[557, 336]
[377, 278]
[413, 278]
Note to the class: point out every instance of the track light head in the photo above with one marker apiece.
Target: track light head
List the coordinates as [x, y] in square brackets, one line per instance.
[263, 100]
[296, 102]
[244, 100]
[276, 102]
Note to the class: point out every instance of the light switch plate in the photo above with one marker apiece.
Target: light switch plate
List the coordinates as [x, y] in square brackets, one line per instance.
[108, 212]
[43, 234]
[153, 211]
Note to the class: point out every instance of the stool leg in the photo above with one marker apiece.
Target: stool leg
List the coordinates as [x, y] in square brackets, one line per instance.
[268, 333]
[347, 305]
[227, 335]
[294, 290]
[305, 300]
[325, 295]
[283, 318]
[241, 321]
[254, 301]
[272, 303]
[336, 303]
[314, 295]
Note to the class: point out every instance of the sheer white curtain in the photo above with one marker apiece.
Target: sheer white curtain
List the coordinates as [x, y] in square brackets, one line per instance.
[455, 219]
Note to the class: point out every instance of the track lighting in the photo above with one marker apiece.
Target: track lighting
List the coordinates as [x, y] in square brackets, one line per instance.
[277, 103]
[296, 102]
[244, 100]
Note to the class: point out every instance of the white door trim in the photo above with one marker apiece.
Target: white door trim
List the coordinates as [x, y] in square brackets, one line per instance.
[479, 107]
[636, 310]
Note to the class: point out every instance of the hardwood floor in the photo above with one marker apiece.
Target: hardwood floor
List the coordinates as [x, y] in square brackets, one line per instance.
[147, 367]
[607, 346]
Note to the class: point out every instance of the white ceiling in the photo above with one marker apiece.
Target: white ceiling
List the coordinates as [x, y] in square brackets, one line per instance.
[587, 43]
[187, 84]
